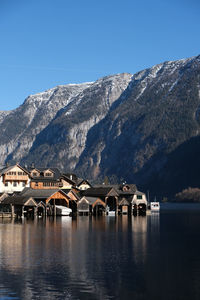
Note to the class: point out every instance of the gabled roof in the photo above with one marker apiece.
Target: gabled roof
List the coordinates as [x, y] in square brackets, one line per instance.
[119, 188]
[66, 178]
[83, 199]
[55, 171]
[7, 169]
[124, 202]
[91, 200]
[39, 193]
[34, 169]
[139, 193]
[80, 181]
[3, 196]
[67, 191]
[100, 192]
[20, 200]
[40, 203]
[74, 180]
[71, 176]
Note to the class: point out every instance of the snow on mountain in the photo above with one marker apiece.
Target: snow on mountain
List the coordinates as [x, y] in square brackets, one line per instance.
[21, 127]
[73, 122]
[122, 125]
[3, 114]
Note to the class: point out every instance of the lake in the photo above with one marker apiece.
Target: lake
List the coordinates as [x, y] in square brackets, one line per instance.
[145, 257]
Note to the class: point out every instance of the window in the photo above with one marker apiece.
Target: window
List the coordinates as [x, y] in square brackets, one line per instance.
[21, 173]
[139, 196]
[6, 183]
[46, 183]
[35, 174]
[12, 173]
[126, 188]
[48, 174]
[14, 183]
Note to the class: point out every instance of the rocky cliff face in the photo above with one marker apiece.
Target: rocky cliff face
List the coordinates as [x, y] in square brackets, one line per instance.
[20, 127]
[56, 117]
[137, 137]
[123, 126]
[63, 140]
[3, 114]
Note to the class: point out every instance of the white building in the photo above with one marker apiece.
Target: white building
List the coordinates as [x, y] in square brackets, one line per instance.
[13, 179]
[139, 198]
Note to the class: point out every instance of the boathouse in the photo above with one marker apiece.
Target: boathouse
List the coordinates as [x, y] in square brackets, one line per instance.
[91, 205]
[20, 206]
[124, 206]
[39, 202]
[83, 206]
[98, 206]
[139, 203]
[107, 195]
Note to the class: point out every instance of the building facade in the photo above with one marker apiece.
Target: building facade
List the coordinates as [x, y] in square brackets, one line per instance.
[14, 179]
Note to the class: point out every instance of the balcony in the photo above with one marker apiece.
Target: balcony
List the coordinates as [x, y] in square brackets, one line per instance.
[16, 178]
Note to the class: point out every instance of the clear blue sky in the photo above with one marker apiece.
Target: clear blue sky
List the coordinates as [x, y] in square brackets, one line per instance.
[45, 43]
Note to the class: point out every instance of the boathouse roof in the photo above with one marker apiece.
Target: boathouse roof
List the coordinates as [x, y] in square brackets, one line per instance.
[121, 189]
[91, 199]
[39, 193]
[100, 191]
[124, 202]
[139, 193]
[19, 200]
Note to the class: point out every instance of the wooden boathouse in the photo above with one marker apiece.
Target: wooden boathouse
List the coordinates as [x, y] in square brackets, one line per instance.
[91, 206]
[108, 198]
[32, 202]
[121, 199]
[99, 200]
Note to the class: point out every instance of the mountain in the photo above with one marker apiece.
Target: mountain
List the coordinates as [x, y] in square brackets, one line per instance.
[142, 128]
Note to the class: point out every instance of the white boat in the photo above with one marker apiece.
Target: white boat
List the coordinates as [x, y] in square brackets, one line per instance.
[111, 213]
[63, 210]
[155, 206]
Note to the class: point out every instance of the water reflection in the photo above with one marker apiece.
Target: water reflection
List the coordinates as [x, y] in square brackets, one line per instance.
[87, 257]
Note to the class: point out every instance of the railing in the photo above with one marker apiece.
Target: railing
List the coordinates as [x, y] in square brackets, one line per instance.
[16, 177]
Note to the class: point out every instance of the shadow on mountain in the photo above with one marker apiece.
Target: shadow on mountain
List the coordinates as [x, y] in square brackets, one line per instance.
[180, 171]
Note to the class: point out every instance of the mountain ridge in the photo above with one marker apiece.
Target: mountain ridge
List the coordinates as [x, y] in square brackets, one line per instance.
[123, 126]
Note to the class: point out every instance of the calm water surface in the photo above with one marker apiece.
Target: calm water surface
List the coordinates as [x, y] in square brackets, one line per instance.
[151, 257]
